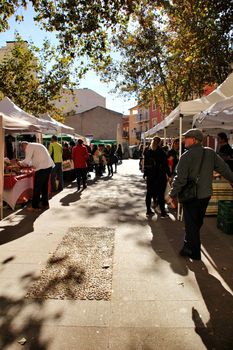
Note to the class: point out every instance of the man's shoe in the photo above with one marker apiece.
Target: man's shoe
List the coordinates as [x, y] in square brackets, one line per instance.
[150, 213]
[45, 207]
[84, 186]
[164, 216]
[186, 252]
[33, 210]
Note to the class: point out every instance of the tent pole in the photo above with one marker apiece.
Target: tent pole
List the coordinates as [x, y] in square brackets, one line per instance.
[2, 141]
[231, 138]
[165, 136]
[179, 215]
[180, 136]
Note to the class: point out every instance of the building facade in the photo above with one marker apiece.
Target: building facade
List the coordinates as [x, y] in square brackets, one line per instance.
[96, 123]
[155, 115]
[79, 100]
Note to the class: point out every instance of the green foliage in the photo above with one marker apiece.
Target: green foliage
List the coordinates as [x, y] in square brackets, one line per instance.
[32, 78]
[174, 52]
[169, 49]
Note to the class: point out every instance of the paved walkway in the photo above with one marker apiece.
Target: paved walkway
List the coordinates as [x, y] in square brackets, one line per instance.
[159, 300]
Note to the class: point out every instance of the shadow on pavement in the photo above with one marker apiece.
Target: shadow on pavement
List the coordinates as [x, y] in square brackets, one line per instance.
[173, 231]
[24, 318]
[70, 198]
[218, 332]
[123, 197]
[14, 227]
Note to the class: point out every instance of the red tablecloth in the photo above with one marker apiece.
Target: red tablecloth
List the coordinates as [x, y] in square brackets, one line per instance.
[11, 180]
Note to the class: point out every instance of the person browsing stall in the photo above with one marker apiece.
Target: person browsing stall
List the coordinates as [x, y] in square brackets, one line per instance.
[55, 151]
[37, 156]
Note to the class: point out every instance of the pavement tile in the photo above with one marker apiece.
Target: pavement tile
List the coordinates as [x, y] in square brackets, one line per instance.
[155, 313]
[145, 338]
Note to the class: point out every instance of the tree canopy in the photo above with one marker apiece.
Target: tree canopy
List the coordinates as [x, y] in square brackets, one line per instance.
[29, 81]
[167, 50]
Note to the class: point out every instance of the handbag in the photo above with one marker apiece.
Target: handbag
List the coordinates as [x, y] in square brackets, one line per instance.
[189, 191]
[167, 191]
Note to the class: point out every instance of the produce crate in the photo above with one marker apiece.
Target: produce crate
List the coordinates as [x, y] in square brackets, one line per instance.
[225, 226]
[225, 210]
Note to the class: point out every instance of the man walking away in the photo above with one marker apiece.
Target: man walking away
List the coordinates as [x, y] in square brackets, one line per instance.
[188, 168]
[80, 157]
[55, 151]
[37, 155]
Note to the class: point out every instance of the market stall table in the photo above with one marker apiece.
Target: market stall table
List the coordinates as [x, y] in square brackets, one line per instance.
[222, 190]
[18, 188]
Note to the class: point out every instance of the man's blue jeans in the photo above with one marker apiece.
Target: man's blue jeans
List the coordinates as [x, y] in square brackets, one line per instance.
[57, 173]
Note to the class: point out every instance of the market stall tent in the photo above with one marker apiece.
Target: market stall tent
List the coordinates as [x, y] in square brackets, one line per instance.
[218, 116]
[10, 109]
[182, 116]
[60, 127]
[10, 124]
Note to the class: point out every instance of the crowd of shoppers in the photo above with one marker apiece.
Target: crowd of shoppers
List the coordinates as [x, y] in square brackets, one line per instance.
[196, 164]
[160, 165]
[48, 165]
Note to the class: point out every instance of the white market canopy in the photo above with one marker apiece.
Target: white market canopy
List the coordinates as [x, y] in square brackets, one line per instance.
[60, 127]
[188, 109]
[11, 110]
[218, 116]
[10, 124]
[15, 124]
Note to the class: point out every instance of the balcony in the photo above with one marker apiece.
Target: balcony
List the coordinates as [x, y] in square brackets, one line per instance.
[142, 118]
[138, 135]
[125, 134]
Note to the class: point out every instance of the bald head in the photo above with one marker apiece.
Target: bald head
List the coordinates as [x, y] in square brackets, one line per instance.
[23, 145]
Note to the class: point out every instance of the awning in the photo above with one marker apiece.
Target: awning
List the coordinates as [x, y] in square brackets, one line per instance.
[14, 124]
[218, 116]
[189, 108]
[11, 110]
[60, 127]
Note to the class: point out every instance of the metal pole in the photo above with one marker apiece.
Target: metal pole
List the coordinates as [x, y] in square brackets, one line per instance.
[165, 136]
[179, 214]
[2, 141]
[180, 138]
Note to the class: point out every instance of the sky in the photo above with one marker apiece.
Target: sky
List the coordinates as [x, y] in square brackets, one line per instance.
[30, 31]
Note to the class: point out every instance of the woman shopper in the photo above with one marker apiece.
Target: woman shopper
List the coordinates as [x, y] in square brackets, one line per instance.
[156, 171]
[80, 158]
[110, 159]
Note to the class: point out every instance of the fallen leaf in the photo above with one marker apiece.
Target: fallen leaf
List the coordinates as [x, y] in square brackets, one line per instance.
[22, 341]
[180, 284]
[105, 266]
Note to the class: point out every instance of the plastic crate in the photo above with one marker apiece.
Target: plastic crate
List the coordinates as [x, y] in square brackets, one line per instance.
[225, 210]
[225, 226]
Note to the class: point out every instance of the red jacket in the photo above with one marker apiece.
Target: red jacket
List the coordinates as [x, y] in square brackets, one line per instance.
[80, 156]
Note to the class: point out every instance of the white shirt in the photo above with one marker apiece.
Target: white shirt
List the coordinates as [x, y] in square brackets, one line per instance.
[37, 155]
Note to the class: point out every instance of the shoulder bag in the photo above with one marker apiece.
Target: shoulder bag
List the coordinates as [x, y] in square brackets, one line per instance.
[189, 191]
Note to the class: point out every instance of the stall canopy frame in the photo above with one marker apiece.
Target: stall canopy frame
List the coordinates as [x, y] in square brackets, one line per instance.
[10, 109]
[10, 124]
[190, 108]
